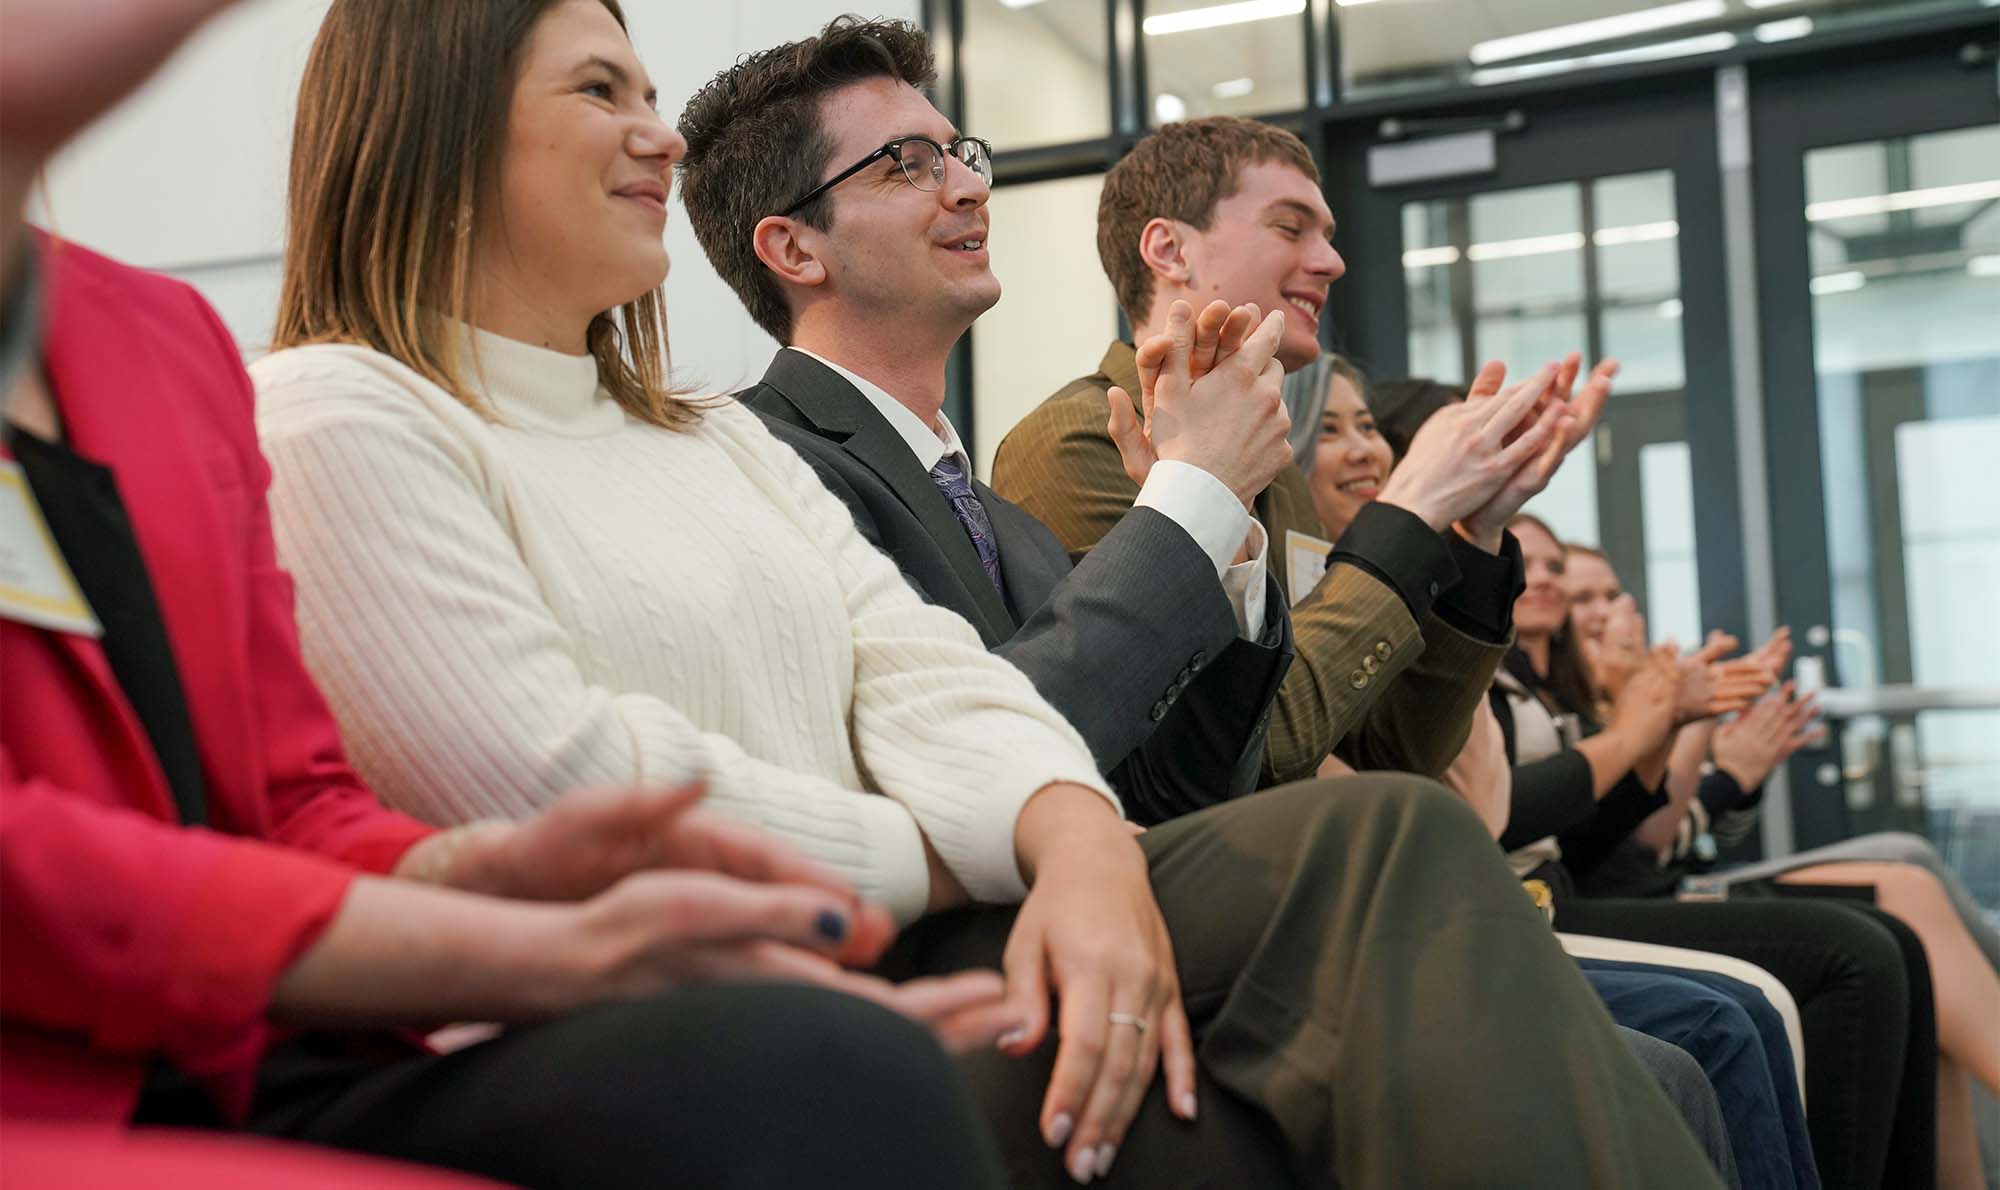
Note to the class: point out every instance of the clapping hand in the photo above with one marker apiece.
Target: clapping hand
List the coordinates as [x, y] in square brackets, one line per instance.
[1210, 397]
[1712, 686]
[1574, 416]
[1763, 737]
[1468, 452]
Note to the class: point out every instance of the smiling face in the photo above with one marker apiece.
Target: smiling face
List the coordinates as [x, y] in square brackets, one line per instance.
[896, 257]
[1350, 461]
[1271, 242]
[574, 222]
[1592, 588]
[1543, 603]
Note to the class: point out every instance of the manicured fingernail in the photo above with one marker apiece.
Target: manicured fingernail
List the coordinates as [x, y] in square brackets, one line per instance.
[1012, 1037]
[1083, 1166]
[1187, 1105]
[1059, 1129]
[1105, 1153]
[831, 926]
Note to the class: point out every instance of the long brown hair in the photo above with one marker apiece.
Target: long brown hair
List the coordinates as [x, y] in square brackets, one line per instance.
[1569, 680]
[402, 119]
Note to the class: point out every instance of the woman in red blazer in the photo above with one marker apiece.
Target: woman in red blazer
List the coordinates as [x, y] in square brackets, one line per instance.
[196, 891]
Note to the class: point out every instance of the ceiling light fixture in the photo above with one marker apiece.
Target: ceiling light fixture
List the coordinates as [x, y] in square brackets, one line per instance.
[1233, 88]
[1562, 37]
[1901, 200]
[1423, 258]
[1846, 282]
[1569, 241]
[1637, 233]
[1217, 15]
[1789, 29]
[1019, 3]
[1705, 43]
[1984, 266]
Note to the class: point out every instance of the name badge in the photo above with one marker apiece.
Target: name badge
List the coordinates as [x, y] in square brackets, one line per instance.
[1305, 563]
[36, 586]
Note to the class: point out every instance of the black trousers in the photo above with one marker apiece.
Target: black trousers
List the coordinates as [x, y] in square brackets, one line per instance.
[748, 1086]
[1865, 1010]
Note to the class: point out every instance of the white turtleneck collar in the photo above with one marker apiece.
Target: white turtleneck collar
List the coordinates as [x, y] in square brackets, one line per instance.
[533, 388]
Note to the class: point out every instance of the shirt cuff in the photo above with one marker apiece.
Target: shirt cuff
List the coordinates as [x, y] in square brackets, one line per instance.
[1201, 504]
[1481, 604]
[1395, 545]
[1244, 584]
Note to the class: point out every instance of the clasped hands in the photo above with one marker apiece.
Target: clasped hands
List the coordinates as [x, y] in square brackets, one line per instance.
[1210, 396]
[655, 894]
[659, 895]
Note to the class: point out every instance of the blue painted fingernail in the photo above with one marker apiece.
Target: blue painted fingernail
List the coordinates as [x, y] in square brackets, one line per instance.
[831, 926]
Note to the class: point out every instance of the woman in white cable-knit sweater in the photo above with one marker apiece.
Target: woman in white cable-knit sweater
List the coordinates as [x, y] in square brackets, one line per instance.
[525, 565]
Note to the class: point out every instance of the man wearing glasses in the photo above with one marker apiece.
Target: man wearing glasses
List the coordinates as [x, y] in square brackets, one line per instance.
[1167, 648]
[1318, 1004]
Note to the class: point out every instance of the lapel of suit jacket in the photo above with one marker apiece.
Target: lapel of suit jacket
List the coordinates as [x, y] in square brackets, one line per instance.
[838, 411]
[1029, 582]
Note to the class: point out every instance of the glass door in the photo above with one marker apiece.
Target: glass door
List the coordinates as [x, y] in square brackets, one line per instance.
[1878, 196]
[1597, 230]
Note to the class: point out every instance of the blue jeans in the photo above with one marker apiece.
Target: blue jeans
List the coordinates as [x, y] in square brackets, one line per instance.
[1739, 1040]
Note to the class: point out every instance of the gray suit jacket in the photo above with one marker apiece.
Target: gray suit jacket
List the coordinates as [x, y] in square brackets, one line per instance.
[1137, 646]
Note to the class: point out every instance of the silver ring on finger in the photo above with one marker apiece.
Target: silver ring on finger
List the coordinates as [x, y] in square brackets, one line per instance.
[1126, 1018]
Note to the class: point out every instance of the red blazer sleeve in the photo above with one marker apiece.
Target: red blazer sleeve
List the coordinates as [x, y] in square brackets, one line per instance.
[144, 936]
[316, 802]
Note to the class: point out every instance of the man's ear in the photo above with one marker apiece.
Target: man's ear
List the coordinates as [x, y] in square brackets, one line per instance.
[1163, 245]
[780, 244]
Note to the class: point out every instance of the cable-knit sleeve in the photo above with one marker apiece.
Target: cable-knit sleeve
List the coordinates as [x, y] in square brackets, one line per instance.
[457, 688]
[943, 726]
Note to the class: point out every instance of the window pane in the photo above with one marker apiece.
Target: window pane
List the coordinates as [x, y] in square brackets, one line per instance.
[1236, 69]
[1637, 242]
[1056, 313]
[1673, 592]
[1527, 274]
[1035, 72]
[1428, 259]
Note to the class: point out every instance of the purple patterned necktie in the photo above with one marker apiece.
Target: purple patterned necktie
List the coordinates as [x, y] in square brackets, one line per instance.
[957, 488]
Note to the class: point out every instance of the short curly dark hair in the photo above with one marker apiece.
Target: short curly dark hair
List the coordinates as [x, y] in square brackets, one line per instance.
[1181, 171]
[755, 143]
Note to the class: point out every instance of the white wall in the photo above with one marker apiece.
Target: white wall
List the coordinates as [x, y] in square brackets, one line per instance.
[189, 175]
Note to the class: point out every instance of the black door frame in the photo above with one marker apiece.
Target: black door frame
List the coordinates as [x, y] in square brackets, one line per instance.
[1907, 87]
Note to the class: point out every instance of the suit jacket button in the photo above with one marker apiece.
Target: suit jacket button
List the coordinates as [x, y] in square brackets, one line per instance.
[1187, 675]
[1370, 665]
[1199, 659]
[1382, 649]
[1159, 710]
[1358, 680]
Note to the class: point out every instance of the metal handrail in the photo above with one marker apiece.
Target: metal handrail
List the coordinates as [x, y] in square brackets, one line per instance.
[1848, 702]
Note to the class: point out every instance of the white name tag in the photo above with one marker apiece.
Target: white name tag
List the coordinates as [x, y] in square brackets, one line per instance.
[1305, 563]
[36, 586]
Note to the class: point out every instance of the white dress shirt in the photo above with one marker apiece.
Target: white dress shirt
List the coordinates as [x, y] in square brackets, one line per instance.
[1198, 502]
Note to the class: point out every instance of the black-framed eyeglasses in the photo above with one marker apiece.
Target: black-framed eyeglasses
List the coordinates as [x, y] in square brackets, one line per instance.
[922, 160]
